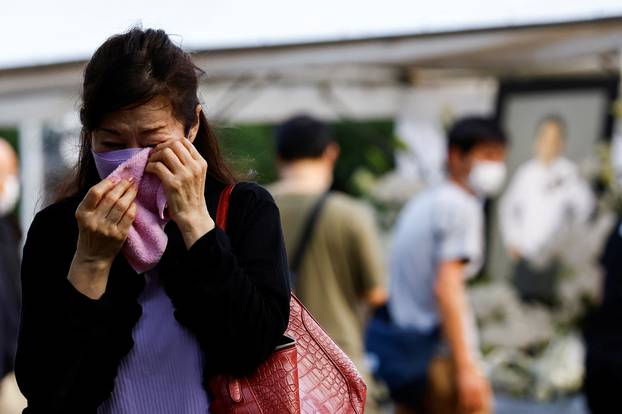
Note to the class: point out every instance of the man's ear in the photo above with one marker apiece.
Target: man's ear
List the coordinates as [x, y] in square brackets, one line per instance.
[194, 129]
[453, 155]
[332, 151]
[455, 160]
[279, 163]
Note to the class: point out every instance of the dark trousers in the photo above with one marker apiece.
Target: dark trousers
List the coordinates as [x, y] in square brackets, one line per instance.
[603, 361]
[602, 381]
[537, 284]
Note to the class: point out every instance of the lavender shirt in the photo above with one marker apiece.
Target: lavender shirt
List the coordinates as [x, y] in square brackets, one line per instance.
[163, 371]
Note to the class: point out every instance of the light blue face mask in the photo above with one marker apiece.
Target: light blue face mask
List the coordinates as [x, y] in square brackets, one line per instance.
[107, 162]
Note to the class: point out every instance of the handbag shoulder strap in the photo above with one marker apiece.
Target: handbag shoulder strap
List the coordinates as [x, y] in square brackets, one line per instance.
[223, 207]
[307, 232]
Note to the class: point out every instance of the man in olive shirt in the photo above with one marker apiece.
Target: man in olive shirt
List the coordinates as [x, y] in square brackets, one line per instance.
[342, 269]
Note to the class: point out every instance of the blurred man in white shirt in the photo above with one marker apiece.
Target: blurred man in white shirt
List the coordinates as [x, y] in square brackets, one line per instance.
[545, 197]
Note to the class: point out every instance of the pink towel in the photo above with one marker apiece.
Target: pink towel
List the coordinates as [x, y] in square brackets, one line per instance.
[146, 240]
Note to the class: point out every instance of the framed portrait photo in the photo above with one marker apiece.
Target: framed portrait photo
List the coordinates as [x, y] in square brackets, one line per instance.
[584, 105]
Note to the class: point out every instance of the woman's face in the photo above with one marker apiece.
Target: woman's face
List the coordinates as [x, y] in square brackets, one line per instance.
[143, 126]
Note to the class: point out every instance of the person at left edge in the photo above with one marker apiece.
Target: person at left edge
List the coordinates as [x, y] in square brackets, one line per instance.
[10, 400]
[95, 336]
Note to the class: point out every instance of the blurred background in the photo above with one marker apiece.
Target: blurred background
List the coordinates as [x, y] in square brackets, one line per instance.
[389, 77]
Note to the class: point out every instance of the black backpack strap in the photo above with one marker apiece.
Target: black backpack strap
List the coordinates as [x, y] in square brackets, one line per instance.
[305, 238]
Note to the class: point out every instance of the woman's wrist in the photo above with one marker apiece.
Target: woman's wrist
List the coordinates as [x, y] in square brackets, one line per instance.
[89, 276]
[195, 226]
[93, 261]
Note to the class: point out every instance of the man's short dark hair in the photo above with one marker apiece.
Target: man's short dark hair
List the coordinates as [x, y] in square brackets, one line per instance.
[469, 132]
[302, 136]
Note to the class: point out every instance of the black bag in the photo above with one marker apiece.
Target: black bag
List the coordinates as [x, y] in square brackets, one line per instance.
[402, 355]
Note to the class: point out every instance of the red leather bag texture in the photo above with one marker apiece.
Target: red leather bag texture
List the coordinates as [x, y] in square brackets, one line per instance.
[309, 375]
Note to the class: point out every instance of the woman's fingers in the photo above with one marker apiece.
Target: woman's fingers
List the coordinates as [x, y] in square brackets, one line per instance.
[181, 151]
[96, 194]
[123, 203]
[104, 226]
[167, 156]
[186, 153]
[198, 160]
[110, 198]
[194, 153]
[161, 170]
[162, 146]
[128, 218]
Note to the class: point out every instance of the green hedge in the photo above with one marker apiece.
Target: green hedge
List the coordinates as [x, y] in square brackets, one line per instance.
[365, 145]
[10, 134]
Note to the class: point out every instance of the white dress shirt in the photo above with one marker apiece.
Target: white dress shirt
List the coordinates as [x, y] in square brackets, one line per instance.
[540, 202]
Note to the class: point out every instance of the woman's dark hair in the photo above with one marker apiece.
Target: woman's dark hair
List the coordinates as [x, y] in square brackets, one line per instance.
[128, 70]
[469, 132]
[302, 136]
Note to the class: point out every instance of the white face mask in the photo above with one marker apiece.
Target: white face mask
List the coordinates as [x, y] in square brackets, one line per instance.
[487, 177]
[10, 195]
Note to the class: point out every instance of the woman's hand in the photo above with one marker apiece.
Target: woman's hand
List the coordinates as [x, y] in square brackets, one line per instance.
[104, 220]
[182, 171]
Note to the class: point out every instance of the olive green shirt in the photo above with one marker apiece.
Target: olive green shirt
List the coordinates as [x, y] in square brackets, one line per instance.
[343, 261]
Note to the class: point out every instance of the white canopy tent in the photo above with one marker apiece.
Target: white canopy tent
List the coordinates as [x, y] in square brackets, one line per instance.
[363, 78]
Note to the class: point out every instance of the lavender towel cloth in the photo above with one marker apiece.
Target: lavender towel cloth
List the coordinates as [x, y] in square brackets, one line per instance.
[146, 240]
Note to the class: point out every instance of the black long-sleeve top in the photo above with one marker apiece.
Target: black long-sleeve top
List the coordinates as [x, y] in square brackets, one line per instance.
[9, 293]
[231, 290]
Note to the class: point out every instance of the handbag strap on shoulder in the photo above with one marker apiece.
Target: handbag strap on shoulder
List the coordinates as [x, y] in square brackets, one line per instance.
[307, 233]
[223, 207]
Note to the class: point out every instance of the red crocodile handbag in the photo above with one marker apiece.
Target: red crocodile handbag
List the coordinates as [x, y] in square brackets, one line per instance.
[307, 374]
